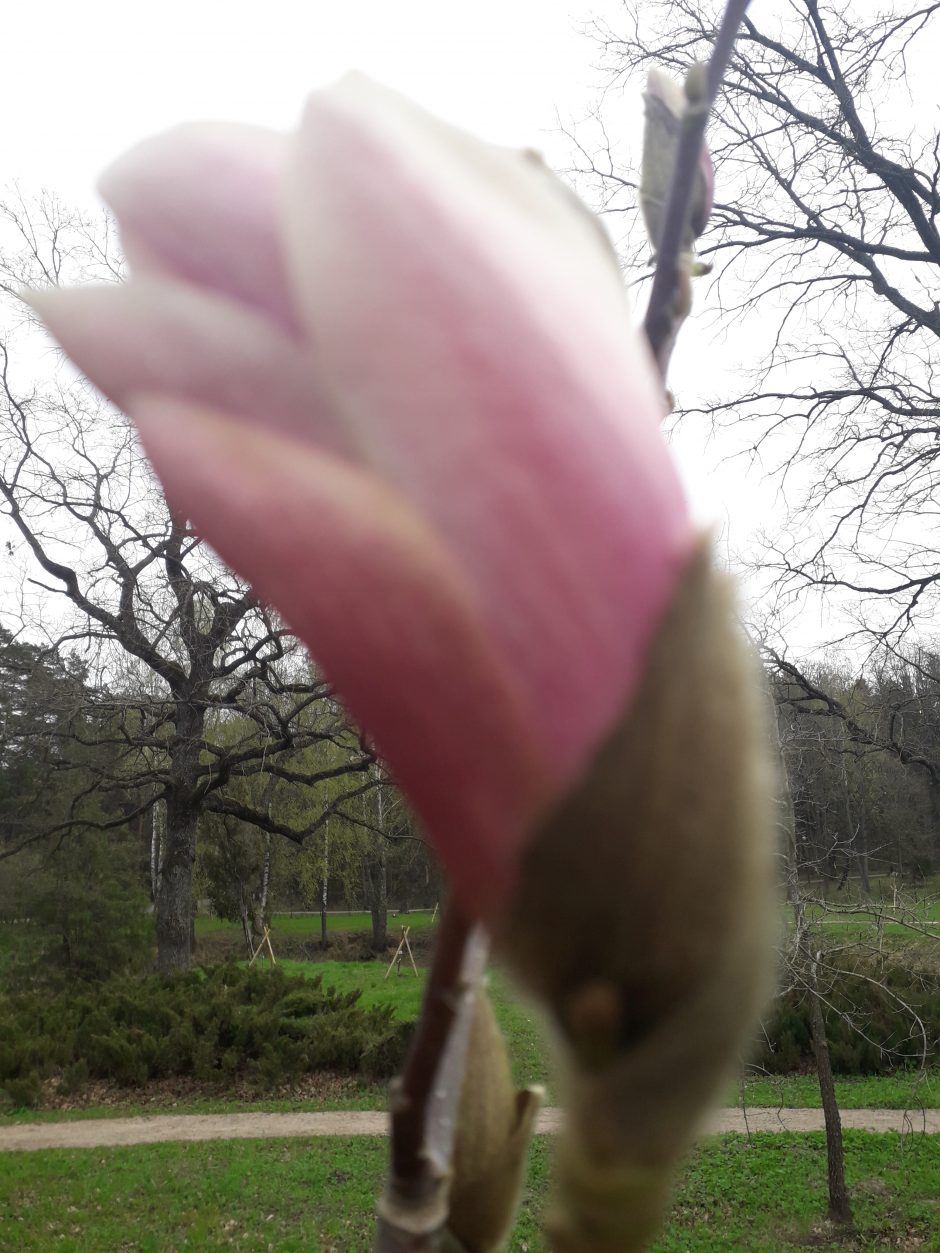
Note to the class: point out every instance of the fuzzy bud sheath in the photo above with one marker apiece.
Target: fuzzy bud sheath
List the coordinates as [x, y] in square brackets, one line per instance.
[665, 105]
[653, 988]
[494, 1127]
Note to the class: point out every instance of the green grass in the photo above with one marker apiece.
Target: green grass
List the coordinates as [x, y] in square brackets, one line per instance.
[308, 925]
[8, 946]
[851, 915]
[900, 1091]
[520, 1025]
[862, 928]
[766, 1195]
[402, 991]
[526, 1036]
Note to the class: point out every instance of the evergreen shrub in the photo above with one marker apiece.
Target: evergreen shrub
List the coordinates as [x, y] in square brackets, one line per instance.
[871, 1014]
[218, 1025]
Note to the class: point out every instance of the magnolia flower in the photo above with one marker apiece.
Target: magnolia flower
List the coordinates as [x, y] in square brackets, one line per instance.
[388, 371]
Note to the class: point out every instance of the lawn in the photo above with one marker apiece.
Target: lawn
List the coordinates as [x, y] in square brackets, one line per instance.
[308, 925]
[913, 1090]
[404, 989]
[8, 945]
[766, 1195]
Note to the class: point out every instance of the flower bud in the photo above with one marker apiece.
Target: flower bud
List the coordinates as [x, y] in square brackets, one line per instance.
[643, 919]
[494, 1127]
[665, 106]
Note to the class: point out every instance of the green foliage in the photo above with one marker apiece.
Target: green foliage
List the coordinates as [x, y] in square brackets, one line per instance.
[41, 696]
[876, 1021]
[88, 913]
[261, 1026]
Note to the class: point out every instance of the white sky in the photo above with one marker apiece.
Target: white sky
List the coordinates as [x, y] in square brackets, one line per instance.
[81, 82]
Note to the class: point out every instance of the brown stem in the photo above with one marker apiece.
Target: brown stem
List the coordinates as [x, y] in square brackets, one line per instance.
[424, 1057]
[412, 1211]
[840, 1208]
[660, 321]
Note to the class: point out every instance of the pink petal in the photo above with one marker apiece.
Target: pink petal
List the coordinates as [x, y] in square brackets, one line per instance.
[474, 327]
[368, 587]
[201, 203]
[156, 336]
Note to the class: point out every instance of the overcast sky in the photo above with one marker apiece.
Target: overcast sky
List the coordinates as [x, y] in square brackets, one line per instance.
[81, 82]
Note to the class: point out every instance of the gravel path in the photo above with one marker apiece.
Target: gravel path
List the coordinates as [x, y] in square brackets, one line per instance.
[102, 1132]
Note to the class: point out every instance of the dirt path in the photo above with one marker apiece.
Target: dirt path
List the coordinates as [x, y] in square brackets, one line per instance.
[102, 1132]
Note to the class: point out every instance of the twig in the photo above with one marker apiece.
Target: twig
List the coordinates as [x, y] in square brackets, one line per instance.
[659, 323]
[413, 1207]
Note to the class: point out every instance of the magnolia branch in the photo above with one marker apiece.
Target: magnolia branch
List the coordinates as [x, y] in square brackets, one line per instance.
[666, 309]
[413, 1208]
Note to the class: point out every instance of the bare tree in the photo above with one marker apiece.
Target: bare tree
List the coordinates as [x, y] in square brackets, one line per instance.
[198, 684]
[823, 966]
[825, 248]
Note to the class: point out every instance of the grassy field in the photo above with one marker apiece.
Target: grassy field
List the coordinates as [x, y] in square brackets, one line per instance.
[766, 1195]
[8, 946]
[912, 1091]
[847, 919]
[404, 991]
[850, 915]
[307, 926]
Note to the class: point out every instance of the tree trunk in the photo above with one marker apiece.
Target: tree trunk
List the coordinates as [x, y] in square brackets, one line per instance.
[375, 886]
[266, 877]
[380, 901]
[380, 872]
[174, 912]
[862, 838]
[840, 1210]
[266, 800]
[856, 832]
[157, 833]
[325, 884]
[174, 909]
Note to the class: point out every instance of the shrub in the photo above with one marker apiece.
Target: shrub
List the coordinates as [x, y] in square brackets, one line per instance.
[867, 1025]
[24, 1091]
[217, 1025]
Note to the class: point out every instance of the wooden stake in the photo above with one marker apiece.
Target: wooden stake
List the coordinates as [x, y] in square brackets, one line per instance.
[404, 936]
[402, 944]
[265, 939]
